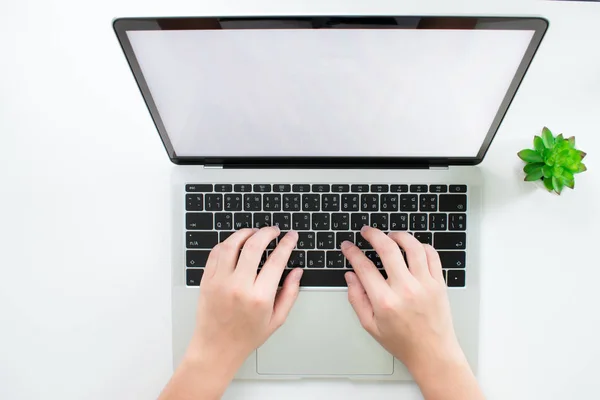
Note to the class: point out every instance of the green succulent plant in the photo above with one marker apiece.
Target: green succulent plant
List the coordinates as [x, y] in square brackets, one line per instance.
[554, 159]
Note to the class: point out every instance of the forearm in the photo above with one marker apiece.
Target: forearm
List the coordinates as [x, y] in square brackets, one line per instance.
[448, 380]
[198, 378]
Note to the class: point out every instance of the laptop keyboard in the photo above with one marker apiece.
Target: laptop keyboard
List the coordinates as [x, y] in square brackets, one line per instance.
[325, 215]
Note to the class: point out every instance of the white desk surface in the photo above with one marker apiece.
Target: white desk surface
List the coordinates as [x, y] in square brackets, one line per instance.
[85, 310]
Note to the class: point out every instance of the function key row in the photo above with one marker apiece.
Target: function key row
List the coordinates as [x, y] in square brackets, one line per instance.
[323, 188]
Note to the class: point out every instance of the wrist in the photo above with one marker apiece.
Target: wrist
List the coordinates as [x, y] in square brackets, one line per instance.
[439, 363]
[211, 361]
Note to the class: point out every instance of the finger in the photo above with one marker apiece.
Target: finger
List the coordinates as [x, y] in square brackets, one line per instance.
[211, 264]
[269, 276]
[434, 262]
[415, 253]
[286, 298]
[372, 280]
[389, 252]
[253, 250]
[360, 302]
[229, 251]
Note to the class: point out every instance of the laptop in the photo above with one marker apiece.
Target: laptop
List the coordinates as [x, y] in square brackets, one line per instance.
[323, 124]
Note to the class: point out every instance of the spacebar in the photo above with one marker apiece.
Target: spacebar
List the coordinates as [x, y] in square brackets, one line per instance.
[320, 277]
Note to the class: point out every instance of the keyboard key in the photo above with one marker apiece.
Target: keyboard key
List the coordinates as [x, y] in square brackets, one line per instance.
[399, 221]
[341, 236]
[456, 278]
[282, 188]
[261, 220]
[424, 237]
[362, 243]
[408, 202]
[291, 202]
[301, 221]
[350, 202]
[380, 188]
[418, 222]
[340, 221]
[320, 222]
[438, 188]
[263, 259]
[193, 202]
[374, 257]
[199, 188]
[359, 188]
[213, 202]
[233, 202]
[272, 244]
[458, 222]
[452, 259]
[252, 202]
[418, 188]
[224, 235]
[223, 221]
[306, 240]
[283, 221]
[319, 278]
[358, 220]
[335, 259]
[325, 240]
[340, 188]
[315, 259]
[245, 187]
[281, 236]
[242, 220]
[438, 222]
[444, 273]
[262, 188]
[301, 188]
[380, 221]
[453, 202]
[196, 258]
[369, 202]
[223, 188]
[199, 221]
[310, 202]
[297, 259]
[449, 240]
[271, 202]
[399, 188]
[202, 240]
[193, 276]
[330, 202]
[458, 188]
[428, 202]
[320, 188]
[389, 202]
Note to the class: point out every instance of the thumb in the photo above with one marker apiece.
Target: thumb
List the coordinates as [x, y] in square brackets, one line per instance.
[357, 296]
[286, 298]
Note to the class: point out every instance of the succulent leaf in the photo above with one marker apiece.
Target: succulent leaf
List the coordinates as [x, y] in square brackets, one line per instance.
[529, 168]
[547, 171]
[570, 184]
[557, 183]
[528, 155]
[547, 138]
[534, 176]
[581, 168]
[572, 141]
[538, 144]
[548, 184]
[582, 154]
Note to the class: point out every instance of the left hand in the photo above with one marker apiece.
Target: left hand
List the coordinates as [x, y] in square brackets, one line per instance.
[239, 309]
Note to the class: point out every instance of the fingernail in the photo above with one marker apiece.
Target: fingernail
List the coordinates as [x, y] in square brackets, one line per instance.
[255, 230]
[277, 227]
[297, 275]
[345, 244]
[349, 279]
[293, 234]
[364, 228]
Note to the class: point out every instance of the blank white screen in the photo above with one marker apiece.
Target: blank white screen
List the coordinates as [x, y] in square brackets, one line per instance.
[328, 92]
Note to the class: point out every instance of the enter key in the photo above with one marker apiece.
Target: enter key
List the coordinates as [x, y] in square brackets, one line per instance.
[449, 240]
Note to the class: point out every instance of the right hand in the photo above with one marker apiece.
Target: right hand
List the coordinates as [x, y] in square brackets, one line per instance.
[409, 313]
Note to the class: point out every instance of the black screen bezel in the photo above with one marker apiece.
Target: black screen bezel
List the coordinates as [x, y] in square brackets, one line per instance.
[121, 25]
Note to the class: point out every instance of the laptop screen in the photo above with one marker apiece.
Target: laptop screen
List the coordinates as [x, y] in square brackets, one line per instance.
[239, 90]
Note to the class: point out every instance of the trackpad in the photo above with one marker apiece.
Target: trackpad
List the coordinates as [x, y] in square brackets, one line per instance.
[322, 336]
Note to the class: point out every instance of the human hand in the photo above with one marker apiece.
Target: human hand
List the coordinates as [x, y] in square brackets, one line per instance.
[409, 313]
[239, 309]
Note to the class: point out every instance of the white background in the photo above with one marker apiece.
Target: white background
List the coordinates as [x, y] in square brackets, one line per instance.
[326, 92]
[84, 222]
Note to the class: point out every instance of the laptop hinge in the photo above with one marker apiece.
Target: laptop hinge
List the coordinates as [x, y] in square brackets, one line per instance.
[213, 166]
[438, 167]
